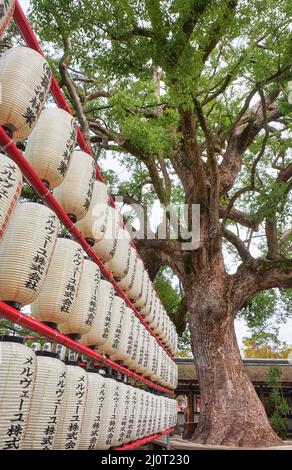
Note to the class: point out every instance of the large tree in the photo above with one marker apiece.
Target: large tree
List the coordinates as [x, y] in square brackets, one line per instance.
[191, 97]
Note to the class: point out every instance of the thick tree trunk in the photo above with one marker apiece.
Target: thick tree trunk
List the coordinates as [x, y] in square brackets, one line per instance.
[231, 412]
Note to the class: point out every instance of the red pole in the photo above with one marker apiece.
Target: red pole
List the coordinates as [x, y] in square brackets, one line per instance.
[53, 335]
[142, 442]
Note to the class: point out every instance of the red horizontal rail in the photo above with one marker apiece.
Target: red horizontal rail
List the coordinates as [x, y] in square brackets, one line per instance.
[34, 180]
[145, 440]
[33, 324]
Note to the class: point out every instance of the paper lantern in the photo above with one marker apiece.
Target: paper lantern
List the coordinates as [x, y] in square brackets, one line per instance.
[96, 217]
[112, 345]
[46, 404]
[25, 79]
[50, 145]
[72, 410]
[25, 252]
[17, 377]
[93, 410]
[6, 9]
[123, 415]
[120, 263]
[142, 300]
[99, 332]
[132, 416]
[106, 248]
[137, 428]
[141, 350]
[58, 294]
[135, 290]
[10, 189]
[161, 414]
[124, 349]
[84, 308]
[146, 366]
[145, 311]
[155, 415]
[126, 282]
[75, 193]
[150, 415]
[132, 362]
[110, 411]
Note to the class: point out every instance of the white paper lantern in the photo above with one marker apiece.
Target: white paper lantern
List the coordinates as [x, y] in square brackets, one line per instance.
[17, 377]
[10, 189]
[72, 409]
[106, 248]
[132, 416]
[46, 404]
[142, 300]
[137, 428]
[50, 145]
[99, 332]
[6, 9]
[93, 411]
[25, 79]
[128, 280]
[135, 289]
[112, 345]
[132, 362]
[75, 193]
[84, 308]
[120, 263]
[96, 217]
[123, 352]
[123, 415]
[58, 294]
[25, 252]
[140, 369]
[111, 406]
[146, 364]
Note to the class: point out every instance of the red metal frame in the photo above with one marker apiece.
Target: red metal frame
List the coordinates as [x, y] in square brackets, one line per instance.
[145, 440]
[53, 335]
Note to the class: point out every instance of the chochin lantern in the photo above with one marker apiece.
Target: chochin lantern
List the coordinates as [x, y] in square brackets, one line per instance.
[47, 400]
[124, 349]
[130, 436]
[25, 252]
[111, 406]
[58, 294]
[100, 329]
[135, 289]
[17, 377]
[106, 248]
[50, 145]
[112, 345]
[132, 362]
[123, 415]
[128, 280]
[84, 308]
[120, 263]
[96, 217]
[7, 9]
[137, 428]
[75, 193]
[10, 188]
[93, 411]
[72, 411]
[25, 79]
[141, 301]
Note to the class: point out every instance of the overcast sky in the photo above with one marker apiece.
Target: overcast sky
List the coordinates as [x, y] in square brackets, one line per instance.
[241, 329]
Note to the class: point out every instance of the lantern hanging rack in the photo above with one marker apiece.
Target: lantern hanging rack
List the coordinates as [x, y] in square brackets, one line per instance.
[145, 440]
[53, 335]
[30, 175]
[30, 39]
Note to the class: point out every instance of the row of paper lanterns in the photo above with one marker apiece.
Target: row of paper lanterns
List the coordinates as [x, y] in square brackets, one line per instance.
[51, 275]
[46, 404]
[71, 174]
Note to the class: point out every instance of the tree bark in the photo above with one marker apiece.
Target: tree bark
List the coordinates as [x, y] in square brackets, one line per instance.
[231, 412]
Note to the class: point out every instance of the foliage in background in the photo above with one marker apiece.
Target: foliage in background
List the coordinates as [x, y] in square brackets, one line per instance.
[279, 406]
